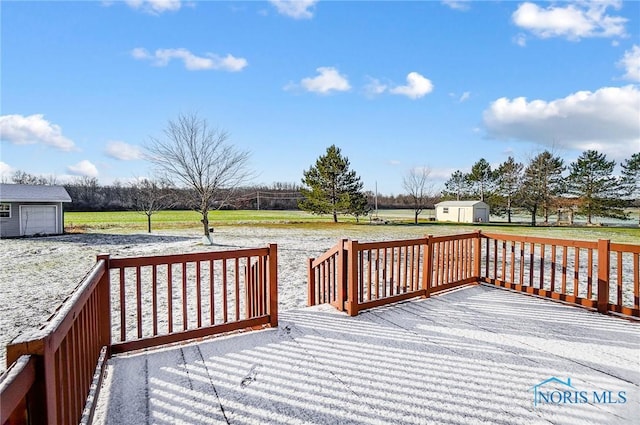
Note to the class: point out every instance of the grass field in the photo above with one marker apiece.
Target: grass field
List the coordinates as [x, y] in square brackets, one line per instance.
[130, 221]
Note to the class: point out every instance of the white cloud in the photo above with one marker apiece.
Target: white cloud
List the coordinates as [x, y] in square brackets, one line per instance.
[520, 40]
[458, 4]
[573, 21]
[296, 9]
[122, 151]
[155, 7]
[162, 57]
[6, 171]
[83, 168]
[32, 129]
[605, 120]
[465, 96]
[417, 86]
[328, 80]
[631, 63]
[374, 87]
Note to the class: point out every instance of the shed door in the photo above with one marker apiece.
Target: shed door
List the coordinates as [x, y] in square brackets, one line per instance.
[461, 215]
[38, 219]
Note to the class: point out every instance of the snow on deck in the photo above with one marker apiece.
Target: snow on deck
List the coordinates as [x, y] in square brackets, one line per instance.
[470, 356]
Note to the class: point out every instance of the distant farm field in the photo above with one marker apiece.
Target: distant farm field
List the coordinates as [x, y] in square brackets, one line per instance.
[186, 219]
[131, 221]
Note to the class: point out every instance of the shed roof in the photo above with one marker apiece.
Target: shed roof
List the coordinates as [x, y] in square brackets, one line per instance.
[460, 203]
[33, 193]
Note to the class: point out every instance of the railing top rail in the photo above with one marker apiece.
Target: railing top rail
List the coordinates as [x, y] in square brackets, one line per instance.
[329, 253]
[59, 323]
[363, 246]
[624, 247]
[15, 383]
[460, 236]
[186, 258]
[541, 240]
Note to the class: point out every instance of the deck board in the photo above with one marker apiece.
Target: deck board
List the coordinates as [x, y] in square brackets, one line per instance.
[469, 356]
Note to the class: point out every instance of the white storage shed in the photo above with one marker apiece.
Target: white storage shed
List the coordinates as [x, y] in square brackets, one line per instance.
[462, 211]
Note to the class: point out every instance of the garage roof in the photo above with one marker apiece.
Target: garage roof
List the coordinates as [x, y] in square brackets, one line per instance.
[33, 193]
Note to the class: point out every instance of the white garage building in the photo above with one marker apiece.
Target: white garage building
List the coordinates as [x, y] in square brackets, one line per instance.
[27, 210]
[462, 211]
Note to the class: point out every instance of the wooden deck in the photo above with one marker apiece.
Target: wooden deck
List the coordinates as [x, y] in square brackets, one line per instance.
[473, 355]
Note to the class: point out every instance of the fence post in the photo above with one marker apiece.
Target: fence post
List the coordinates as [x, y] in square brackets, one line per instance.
[352, 278]
[603, 275]
[35, 404]
[273, 285]
[342, 275]
[477, 255]
[104, 297]
[427, 267]
[311, 284]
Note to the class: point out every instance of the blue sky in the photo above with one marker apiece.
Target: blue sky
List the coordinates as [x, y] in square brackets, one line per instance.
[395, 85]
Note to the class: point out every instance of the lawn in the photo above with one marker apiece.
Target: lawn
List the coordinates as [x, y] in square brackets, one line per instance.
[131, 221]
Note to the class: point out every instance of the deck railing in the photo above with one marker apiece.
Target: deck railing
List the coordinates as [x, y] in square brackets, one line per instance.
[600, 275]
[54, 368]
[52, 372]
[355, 276]
[164, 299]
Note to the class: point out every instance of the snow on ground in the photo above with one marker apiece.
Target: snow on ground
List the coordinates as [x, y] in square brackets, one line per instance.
[464, 357]
[37, 274]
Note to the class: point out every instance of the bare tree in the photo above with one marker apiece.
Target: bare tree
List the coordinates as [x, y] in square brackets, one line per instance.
[202, 159]
[419, 188]
[151, 196]
[22, 177]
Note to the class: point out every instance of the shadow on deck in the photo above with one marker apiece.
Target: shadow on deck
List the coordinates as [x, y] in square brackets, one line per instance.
[468, 356]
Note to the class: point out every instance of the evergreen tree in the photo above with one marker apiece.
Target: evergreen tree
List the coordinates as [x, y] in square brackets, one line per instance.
[481, 179]
[457, 186]
[631, 179]
[359, 205]
[509, 179]
[330, 187]
[591, 180]
[542, 182]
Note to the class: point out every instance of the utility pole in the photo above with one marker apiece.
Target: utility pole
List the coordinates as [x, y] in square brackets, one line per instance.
[375, 198]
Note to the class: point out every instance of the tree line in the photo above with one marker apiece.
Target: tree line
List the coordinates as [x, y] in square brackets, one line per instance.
[585, 187]
[197, 168]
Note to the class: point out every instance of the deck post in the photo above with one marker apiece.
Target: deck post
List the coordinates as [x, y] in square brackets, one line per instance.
[604, 247]
[427, 267]
[51, 394]
[477, 255]
[341, 290]
[104, 297]
[352, 278]
[311, 284]
[273, 285]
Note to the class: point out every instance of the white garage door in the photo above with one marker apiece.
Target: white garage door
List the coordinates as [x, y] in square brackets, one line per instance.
[38, 219]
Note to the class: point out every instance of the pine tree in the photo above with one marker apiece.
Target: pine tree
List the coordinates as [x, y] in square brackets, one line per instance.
[509, 179]
[359, 204]
[482, 179]
[541, 183]
[631, 179]
[591, 180]
[330, 187]
[457, 186]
